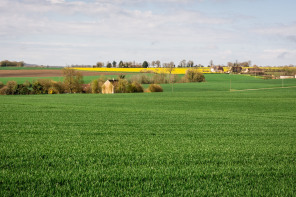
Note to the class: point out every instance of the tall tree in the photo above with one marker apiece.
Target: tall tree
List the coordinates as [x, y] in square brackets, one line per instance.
[170, 68]
[182, 63]
[145, 64]
[211, 63]
[121, 64]
[157, 62]
[114, 64]
[73, 80]
[190, 63]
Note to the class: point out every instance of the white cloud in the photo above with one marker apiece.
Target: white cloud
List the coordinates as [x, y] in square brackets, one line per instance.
[126, 29]
[56, 1]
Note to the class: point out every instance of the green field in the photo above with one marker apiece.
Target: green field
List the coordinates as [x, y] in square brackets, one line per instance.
[200, 140]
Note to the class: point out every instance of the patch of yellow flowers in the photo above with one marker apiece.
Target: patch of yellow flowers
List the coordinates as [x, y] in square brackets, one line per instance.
[145, 70]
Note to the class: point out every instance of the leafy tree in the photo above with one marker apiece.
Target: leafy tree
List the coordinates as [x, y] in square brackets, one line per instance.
[109, 65]
[121, 64]
[194, 75]
[73, 80]
[145, 64]
[100, 64]
[114, 64]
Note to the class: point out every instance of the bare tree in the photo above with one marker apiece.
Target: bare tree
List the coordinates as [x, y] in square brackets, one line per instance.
[157, 62]
[211, 63]
[170, 68]
[182, 63]
[190, 63]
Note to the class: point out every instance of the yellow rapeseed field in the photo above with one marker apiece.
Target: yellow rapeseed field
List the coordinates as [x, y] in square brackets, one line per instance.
[137, 70]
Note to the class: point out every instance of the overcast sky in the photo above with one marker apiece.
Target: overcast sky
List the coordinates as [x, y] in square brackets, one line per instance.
[65, 32]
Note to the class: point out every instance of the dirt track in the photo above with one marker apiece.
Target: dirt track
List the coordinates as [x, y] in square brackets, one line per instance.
[47, 73]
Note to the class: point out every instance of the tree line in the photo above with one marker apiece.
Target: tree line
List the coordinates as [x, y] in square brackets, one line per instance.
[158, 64]
[7, 63]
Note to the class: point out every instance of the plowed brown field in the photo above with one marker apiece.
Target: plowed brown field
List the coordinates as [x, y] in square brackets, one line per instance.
[47, 73]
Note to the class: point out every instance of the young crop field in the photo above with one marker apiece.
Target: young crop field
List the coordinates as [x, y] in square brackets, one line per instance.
[200, 140]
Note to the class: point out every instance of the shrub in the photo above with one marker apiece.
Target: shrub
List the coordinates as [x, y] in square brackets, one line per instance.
[1, 84]
[37, 87]
[193, 75]
[142, 79]
[42, 86]
[160, 78]
[73, 80]
[135, 87]
[86, 88]
[154, 88]
[11, 87]
[121, 86]
[94, 86]
[3, 90]
[46, 85]
[101, 81]
[23, 89]
[56, 88]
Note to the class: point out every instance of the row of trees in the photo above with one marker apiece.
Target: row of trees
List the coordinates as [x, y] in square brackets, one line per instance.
[158, 64]
[73, 83]
[7, 63]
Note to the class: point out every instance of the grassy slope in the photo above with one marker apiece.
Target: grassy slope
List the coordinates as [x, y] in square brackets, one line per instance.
[219, 82]
[190, 142]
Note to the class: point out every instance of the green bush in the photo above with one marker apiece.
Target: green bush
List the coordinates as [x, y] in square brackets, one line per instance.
[193, 75]
[11, 87]
[121, 86]
[135, 87]
[1, 84]
[37, 87]
[94, 86]
[154, 88]
[56, 88]
[23, 89]
[42, 86]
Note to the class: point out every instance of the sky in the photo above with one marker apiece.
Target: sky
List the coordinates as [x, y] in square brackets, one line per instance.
[66, 32]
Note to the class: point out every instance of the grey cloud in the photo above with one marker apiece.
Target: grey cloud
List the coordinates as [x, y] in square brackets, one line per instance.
[282, 55]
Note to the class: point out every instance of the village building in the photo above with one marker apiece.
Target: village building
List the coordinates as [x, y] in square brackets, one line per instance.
[217, 69]
[109, 86]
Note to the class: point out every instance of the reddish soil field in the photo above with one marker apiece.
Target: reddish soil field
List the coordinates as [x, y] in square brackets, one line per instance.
[48, 73]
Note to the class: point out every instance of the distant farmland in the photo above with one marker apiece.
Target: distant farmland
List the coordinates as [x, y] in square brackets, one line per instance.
[200, 140]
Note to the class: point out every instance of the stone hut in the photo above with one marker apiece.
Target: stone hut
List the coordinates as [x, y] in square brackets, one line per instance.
[109, 86]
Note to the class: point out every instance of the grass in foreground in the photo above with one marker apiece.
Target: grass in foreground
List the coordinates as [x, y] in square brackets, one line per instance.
[200, 143]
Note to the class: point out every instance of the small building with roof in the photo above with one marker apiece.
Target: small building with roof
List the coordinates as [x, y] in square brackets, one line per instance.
[109, 86]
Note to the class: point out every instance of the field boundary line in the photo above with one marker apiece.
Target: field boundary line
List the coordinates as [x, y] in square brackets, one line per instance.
[234, 90]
